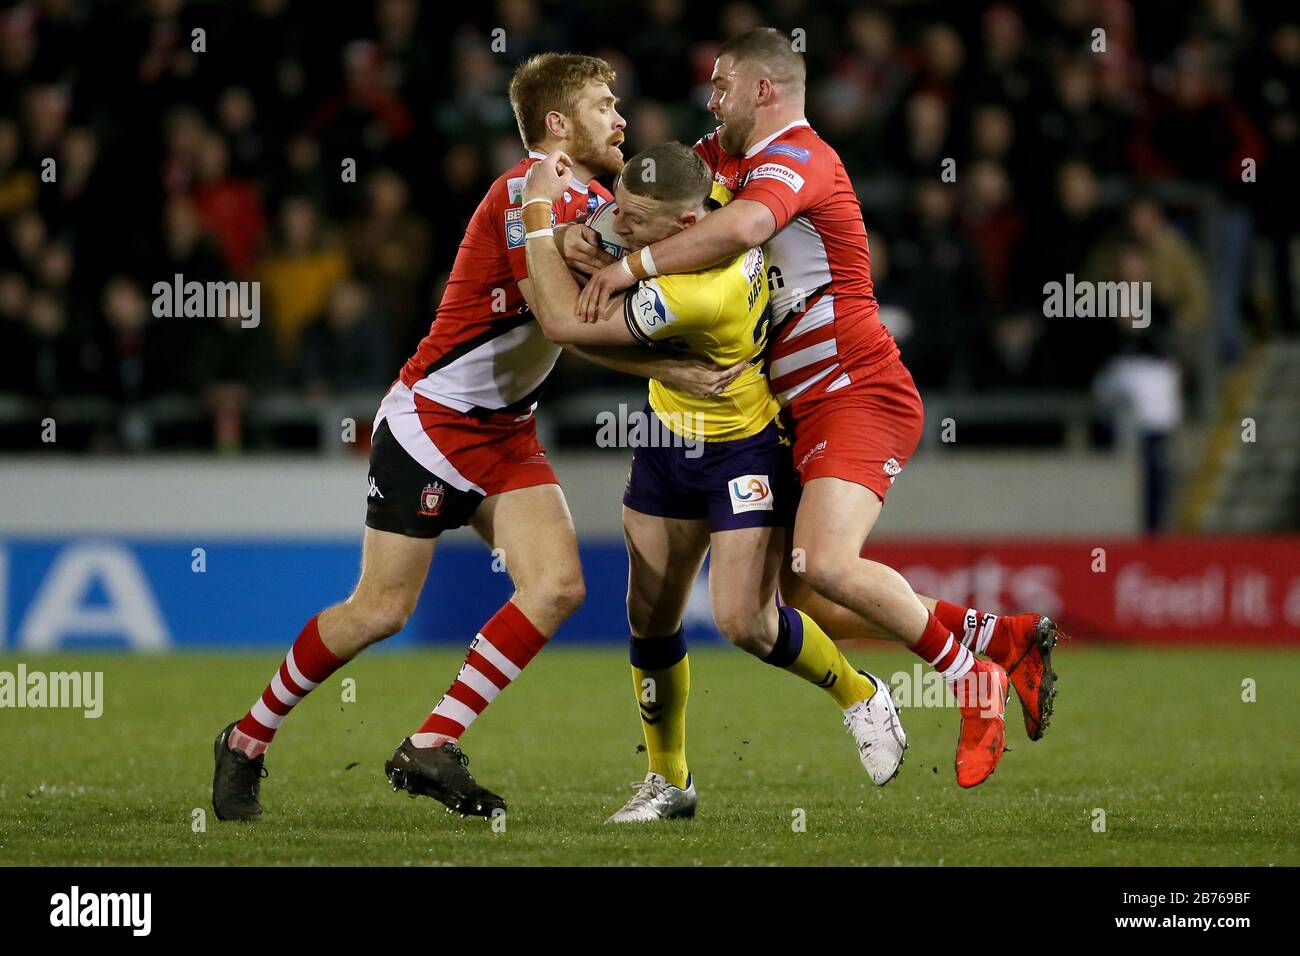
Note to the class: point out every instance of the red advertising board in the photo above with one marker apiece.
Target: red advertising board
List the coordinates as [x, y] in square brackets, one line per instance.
[1222, 590]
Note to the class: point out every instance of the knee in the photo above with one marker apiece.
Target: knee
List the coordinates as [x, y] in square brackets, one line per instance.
[822, 570]
[563, 589]
[640, 619]
[384, 616]
[746, 629]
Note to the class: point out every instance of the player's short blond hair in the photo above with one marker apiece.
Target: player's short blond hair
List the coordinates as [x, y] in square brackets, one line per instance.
[552, 82]
[671, 173]
[771, 52]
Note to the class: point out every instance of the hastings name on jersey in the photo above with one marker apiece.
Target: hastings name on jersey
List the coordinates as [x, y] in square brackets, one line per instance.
[828, 329]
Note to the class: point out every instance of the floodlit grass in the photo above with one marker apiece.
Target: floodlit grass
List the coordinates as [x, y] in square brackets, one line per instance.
[1161, 741]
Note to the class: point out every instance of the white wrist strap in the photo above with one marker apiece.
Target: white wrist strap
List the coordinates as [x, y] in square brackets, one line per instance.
[648, 262]
[539, 233]
[529, 202]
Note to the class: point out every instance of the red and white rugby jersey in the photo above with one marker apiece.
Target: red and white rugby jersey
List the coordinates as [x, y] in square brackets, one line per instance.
[828, 332]
[485, 350]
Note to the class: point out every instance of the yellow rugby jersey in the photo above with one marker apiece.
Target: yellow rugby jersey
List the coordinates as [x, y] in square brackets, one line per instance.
[719, 314]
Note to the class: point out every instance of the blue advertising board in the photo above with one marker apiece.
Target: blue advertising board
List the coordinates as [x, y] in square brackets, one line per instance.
[159, 594]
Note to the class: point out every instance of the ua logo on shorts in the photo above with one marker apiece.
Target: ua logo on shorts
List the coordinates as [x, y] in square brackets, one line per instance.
[750, 493]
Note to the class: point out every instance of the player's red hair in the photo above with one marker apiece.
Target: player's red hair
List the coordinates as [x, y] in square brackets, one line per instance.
[552, 82]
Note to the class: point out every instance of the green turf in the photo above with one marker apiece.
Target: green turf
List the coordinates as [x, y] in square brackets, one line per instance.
[1186, 772]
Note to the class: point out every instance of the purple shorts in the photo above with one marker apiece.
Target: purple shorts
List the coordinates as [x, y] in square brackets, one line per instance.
[744, 483]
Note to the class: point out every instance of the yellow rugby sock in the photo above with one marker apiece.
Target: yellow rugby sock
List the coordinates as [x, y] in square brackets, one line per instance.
[661, 681]
[803, 648]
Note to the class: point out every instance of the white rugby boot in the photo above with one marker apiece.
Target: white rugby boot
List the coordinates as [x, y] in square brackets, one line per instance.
[657, 799]
[878, 733]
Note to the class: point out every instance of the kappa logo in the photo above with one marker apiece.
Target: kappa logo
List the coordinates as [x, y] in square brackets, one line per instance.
[750, 493]
[893, 469]
[431, 499]
[373, 491]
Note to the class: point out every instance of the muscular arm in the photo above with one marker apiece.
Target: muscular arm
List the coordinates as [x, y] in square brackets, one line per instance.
[611, 344]
[552, 295]
[631, 359]
[736, 227]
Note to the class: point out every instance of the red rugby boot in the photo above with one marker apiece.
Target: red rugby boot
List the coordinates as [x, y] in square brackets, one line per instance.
[982, 702]
[1028, 662]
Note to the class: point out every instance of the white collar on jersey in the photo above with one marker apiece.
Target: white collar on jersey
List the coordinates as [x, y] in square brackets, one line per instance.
[760, 146]
[576, 186]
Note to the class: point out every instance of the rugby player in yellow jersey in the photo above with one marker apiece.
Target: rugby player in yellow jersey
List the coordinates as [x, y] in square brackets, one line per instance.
[713, 473]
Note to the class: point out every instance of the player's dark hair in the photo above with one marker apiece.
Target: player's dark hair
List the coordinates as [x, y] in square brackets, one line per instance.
[551, 81]
[772, 52]
[670, 172]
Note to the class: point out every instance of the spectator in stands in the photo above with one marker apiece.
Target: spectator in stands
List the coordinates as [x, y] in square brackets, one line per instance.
[1196, 133]
[228, 206]
[235, 364]
[346, 349]
[140, 357]
[994, 226]
[187, 248]
[1177, 273]
[173, 161]
[926, 140]
[943, 283]
[366, 116]
[389, 247]
[871, 67]
[26, 241]
[1146, 380]
[16, 342]
[57, 367]
[18, 183]
[1066, 233]
[237, 121]
[1008, 71]
[300, 270]
[1272, 89]
[1078, 123]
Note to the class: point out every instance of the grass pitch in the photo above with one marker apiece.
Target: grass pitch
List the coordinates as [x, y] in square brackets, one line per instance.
[1186, 772]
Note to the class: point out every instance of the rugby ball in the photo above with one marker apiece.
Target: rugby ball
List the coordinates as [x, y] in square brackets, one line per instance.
[602, 220]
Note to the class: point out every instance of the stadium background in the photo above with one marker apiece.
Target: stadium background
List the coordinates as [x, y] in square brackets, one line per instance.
[203, 488]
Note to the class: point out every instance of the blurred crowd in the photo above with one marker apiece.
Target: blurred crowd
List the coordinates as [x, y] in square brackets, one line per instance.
[1163, 158]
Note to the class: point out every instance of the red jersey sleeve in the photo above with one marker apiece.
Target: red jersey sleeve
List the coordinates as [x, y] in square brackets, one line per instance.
[788, 180]
[508, 215]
